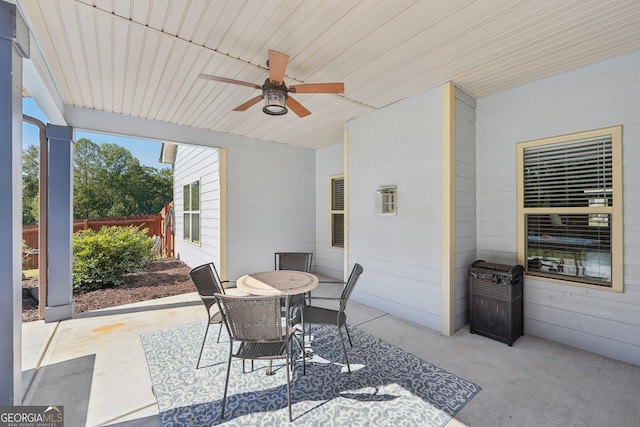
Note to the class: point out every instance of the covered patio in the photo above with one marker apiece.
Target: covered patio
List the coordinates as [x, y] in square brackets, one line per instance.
[438, 96]
[95, 365]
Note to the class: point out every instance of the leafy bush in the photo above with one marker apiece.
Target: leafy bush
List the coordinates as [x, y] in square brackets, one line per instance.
[102, 258]
[25, 253]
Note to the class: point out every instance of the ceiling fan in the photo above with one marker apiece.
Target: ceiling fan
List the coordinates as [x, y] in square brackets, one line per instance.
[275, 93]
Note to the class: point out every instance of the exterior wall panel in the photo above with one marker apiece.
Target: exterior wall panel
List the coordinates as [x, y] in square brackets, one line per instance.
[328, 260]
[271, 204]
[465, 202]
[398, 145]
[600, 95]
[193, 164]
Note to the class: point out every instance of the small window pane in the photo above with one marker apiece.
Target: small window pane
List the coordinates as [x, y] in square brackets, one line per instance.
[186, 192]
[195, 196]
[570, 245]
[187, 226]
[337, 227]
[337, 194]
[195, 227]
[568, 174]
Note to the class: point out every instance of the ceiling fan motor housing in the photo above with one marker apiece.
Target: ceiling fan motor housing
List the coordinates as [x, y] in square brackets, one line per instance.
[275, 97]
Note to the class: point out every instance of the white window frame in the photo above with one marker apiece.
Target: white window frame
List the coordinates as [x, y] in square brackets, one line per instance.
[595, 209]
[335, 213]
[190, 228]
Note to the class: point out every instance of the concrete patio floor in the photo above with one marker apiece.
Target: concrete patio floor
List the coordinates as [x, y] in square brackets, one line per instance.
[95, 366]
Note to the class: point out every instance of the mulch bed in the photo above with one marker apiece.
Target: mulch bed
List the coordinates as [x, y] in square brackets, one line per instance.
[163, 277]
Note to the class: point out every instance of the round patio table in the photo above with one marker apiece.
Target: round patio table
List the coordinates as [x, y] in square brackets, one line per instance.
[278, 282]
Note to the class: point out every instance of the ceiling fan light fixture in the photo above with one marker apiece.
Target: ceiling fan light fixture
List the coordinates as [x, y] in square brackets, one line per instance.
[275, 92]
[275, 102]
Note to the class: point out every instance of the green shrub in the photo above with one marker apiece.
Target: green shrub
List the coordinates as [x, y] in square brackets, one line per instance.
[102, 258]
[25, 254]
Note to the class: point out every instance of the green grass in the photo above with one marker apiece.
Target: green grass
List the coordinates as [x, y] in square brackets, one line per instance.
[31, 274]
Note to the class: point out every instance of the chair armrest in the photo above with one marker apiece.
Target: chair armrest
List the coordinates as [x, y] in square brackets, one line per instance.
[332, 281]
[230, 282]
[324, 298]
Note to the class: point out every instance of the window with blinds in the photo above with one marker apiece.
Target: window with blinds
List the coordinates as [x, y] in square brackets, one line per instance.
[570, 196]
[191, 213]
[337, 211]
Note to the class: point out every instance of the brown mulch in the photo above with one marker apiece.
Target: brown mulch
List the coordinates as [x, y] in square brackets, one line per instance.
[163, 277]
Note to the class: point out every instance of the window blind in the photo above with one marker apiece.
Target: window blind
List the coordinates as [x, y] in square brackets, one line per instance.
[337, 194]
[337, 230]
[570, 174]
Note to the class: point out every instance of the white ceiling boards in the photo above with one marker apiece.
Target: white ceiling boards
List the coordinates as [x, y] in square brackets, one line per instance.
[143, 58]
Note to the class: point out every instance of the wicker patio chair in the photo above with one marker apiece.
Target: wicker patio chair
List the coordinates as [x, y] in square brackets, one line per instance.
[207, 282]
[326, 316]
[256, 332]
[298, 261]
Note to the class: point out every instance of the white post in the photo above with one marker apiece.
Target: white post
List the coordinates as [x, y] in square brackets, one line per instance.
[60, 224]
[14, 45]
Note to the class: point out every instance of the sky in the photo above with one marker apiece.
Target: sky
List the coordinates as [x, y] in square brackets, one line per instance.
[147, 152]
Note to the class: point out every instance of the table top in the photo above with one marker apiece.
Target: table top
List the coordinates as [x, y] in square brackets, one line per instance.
[278, 282]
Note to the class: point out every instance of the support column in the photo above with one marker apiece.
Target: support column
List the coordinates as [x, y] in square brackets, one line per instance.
[60, 224]
[448, 208]
[14, 45]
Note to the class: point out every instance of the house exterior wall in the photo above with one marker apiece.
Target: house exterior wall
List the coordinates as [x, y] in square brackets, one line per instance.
[270, 204]
[269, 200]
[193, 164]
[465, 202]
[600, 95]
[401, 254]
[328, 260]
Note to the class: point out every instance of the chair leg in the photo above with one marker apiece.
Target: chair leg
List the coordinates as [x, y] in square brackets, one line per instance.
[348, 336]
[304, 346]
[226, 386]
[204, 340]
[289, 384]
[244, 370]
[304, 352]
[220, 332]
[344, 348]
[294, 337]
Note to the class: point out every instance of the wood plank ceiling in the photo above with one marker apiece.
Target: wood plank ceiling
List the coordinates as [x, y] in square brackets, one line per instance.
[143, 57]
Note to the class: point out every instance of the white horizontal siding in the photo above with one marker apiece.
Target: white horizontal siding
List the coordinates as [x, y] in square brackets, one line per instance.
[270, 204]
[599, 95]
[328, 260]
[398, 145]
[198, 164]
[465, 202]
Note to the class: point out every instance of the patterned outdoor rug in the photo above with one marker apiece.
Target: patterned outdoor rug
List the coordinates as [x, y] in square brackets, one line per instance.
[387, 387]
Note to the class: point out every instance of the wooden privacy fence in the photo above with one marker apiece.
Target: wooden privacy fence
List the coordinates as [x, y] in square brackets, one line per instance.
[158, 225]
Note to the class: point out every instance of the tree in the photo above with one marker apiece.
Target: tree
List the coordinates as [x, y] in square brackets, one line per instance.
[107, 182]
[30, 180]
[110, 182]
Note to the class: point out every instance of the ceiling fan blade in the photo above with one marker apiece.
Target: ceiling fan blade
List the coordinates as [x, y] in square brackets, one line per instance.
[249, 103]
[226, 80]
[277, 66]
[297, 107]
[318, 88]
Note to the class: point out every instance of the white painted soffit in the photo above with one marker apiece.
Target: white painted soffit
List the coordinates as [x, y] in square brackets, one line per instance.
[143, 58]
